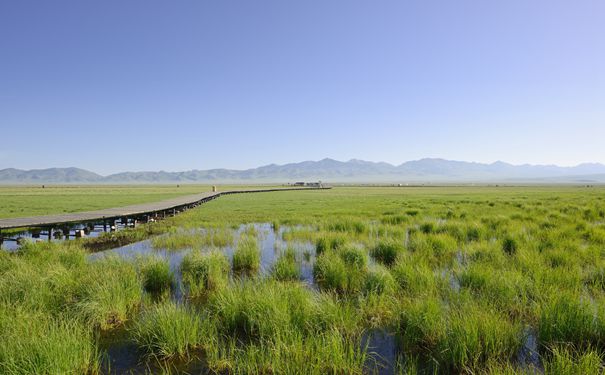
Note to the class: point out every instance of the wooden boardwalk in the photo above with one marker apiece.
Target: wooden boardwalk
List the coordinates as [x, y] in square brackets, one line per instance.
[139, 211]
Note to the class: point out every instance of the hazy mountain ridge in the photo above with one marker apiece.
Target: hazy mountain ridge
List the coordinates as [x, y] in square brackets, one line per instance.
[423, 170]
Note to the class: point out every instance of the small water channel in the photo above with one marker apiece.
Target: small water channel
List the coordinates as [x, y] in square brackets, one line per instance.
[13, 240]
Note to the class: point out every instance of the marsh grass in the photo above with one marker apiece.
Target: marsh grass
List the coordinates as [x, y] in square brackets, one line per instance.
[563, 360]
[379, 280]
[569, 318]
[205, 272]
[36, 343]
[168, 330]
[456, 291]
[194, 239]
[156, 274]
[387, 251]
[464, 338]
[329, 242]
[287, 267]
[246, 257]
[343, 271]
[59, 280]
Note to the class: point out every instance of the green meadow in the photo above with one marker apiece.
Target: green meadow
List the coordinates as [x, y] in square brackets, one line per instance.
[461, 280]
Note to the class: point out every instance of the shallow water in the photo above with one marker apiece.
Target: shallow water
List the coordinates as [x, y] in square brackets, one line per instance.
[382, 351]
[528, 357]
[270, 242]
[12, 244]
[122, 356]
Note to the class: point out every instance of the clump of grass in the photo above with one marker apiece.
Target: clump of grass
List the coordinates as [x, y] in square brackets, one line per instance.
[464, 338]
[103, 293]
[294, 353]
[107, 293]
[36, 343]
[387, 251]
[477, 335]
[379, 280]
[348, 225]
[168, 330]
[354, 257]
[422, 323]
[473, 233]
[262, 310]
[205, 272]
[414, 277]
[330, 242]
[330, 272]
[509, 245]
[567, 361]
[395, 219]
[211, 237]
[566, 317]
[342, 271]
[156, 274]
[246, 257]
[428, 227]
[507, 289]
[275, 225]
[286, 268]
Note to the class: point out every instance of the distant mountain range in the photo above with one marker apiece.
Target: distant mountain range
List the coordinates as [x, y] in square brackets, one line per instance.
[418, 171]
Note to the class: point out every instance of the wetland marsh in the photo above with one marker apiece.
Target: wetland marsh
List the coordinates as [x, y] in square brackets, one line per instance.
[448, 280]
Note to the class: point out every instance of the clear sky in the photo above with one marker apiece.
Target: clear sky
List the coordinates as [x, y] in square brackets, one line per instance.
[176, 85]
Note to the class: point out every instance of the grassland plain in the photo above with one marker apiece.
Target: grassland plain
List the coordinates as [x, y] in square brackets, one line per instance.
[474, 280]
[22, 201]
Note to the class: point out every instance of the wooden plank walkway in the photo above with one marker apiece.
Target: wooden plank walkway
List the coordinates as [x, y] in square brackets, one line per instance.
[170, 206]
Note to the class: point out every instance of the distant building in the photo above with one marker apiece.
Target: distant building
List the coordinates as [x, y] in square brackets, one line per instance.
[299, 184]
[314, 184]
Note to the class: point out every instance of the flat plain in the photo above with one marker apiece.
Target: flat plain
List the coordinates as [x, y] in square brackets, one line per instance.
[477, 280]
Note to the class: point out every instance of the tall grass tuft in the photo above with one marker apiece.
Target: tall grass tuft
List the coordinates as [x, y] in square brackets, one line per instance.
[566, 317]
[463, 338]
[509, 245]
[36, 343]
[205, 272]
[379, 280]
[246, 258]
[168, 330]
[286, 268]
[330, 272]
[329, 242]
[568, 361]
[387, 251]
[156, 274]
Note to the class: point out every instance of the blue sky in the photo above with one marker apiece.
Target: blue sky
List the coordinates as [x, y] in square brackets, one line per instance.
[176, 85]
